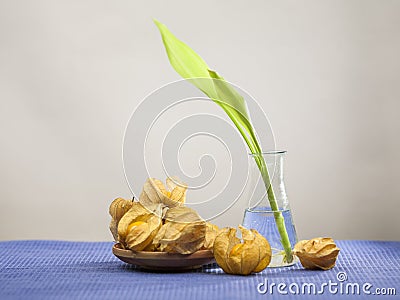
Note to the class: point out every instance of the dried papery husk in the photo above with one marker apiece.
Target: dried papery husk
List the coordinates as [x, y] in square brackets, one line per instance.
[317, 253]
[117, 209]
[211, 234]
[177, 194]
[172, 182]
[138, 226]
[154, 192]
[140, 236]
[183, 214]
[150, 248]
[223, 244]
[183, 232]
[264, 248]
[242, 258]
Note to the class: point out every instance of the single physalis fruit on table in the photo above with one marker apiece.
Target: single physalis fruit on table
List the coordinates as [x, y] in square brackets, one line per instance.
[318, 253]
[242, 258]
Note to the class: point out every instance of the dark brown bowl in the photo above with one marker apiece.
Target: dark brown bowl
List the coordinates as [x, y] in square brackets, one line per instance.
[162, 260]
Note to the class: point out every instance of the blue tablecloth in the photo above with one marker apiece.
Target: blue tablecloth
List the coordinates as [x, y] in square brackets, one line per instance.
[89, 270]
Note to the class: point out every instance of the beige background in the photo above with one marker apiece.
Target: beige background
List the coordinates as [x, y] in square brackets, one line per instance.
[326, 73]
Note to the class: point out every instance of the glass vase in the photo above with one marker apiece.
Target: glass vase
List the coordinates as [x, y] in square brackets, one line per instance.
[268, 208]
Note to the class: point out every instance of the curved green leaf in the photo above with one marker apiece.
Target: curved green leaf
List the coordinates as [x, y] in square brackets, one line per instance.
[190, 65]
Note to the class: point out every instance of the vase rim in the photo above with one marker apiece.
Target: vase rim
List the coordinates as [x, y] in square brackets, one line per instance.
[269, 152]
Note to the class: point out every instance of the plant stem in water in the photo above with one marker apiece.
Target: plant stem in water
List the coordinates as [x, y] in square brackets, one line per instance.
[279, 219]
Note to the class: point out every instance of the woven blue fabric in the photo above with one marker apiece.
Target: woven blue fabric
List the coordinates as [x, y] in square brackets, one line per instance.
[89, 270]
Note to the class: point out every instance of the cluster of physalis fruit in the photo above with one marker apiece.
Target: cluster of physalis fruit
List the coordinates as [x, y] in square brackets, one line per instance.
[160, 221]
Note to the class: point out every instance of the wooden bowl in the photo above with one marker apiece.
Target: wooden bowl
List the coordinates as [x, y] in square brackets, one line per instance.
[164, 261]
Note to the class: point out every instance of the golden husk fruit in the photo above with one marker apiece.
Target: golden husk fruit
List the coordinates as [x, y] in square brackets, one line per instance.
[234, 257]
[183, 232]
[117, 209]
[318, 253]
[138, 226]
[211, 234]
[154, 192]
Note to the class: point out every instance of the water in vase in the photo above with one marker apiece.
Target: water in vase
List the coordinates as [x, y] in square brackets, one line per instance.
[262, 219]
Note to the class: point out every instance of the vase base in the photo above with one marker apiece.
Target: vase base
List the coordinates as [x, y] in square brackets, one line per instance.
[277, 261]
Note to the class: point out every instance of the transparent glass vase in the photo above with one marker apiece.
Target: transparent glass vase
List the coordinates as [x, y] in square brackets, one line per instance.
[261, 215]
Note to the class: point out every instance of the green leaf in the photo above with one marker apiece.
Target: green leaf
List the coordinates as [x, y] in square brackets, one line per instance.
[190, 65]
[185, 61]
[228, 96]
